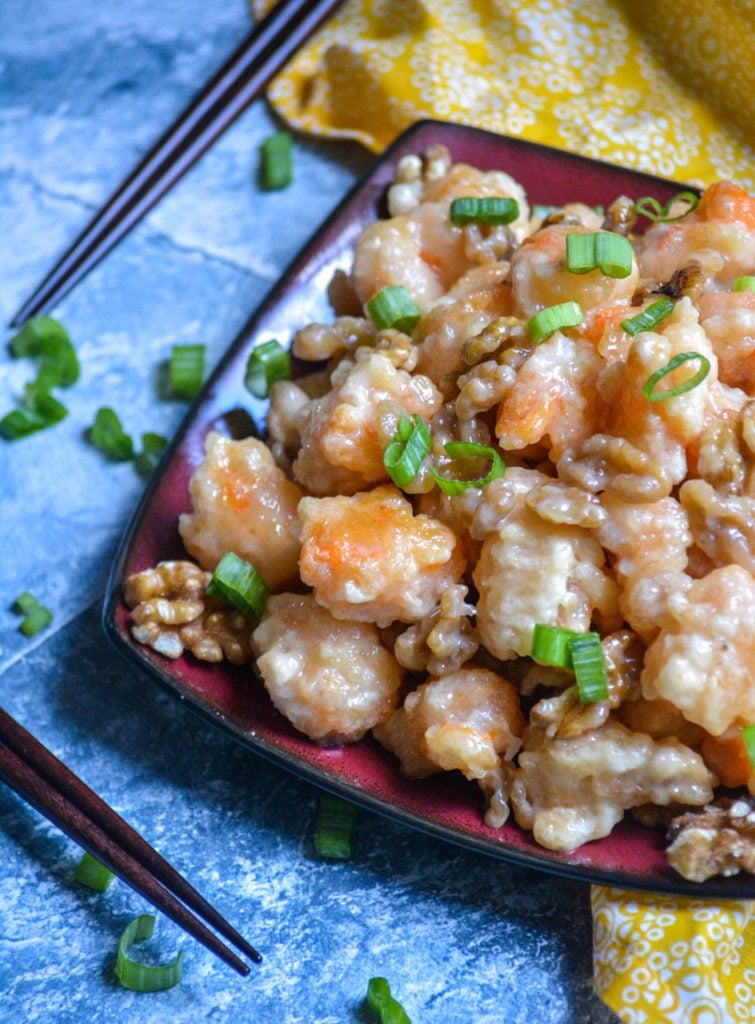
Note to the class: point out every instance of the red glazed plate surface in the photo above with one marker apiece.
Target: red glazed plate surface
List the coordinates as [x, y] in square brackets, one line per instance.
[446, 806]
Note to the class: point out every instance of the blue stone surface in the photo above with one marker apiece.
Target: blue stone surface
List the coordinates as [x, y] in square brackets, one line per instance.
[84, 88]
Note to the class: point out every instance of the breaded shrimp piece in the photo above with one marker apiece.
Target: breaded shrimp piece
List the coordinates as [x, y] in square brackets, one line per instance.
[726, 756]
[532, 571]
[463, 181]
[728, 318]
[720, 235]
[332, 679]
[539, 276]
[571, 791]
[243, 503]
[341, 450]
[370, 559]
[469, 721]
[702, 661]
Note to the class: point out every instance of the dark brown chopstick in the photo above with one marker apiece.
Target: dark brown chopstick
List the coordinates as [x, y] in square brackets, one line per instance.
[240, 80]
[47, 784]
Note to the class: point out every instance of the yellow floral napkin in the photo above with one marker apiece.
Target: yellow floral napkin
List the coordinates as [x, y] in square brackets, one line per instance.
[663, 87]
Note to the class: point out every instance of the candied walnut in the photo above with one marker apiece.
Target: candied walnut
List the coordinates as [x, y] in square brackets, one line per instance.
[332, 679]
[728, 319]
[399, 348]
[323, 341]
[615, 465]
[443, 640]
[621, 216]
[723, 527]
[242, 502]
[702, 659]
[467, 721]
[413, 175]
[503, 332]
[720, 461]
[341, 450]
[482, 388]
[646, 539]
[556, 502]
[370, 559]
[570, 791]
[172, 613]
[487, 243]
[717, 840]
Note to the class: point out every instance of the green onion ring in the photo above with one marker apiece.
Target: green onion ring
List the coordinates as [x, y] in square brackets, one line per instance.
[468, 450]
[93, 874]
[382, 1003]
[239, 584]
[680, 389]
[141, 977]
[487, 210]
[589, 668]
[653, 210]
[649, 318]
[406, 450]
[335, 827]
[267, 363]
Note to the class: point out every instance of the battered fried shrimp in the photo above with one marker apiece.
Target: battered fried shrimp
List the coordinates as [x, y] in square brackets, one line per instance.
[323, 341]
[341, 450]
[332, 679]
[728, 319]
[370, 559]
[468, 721]
[702, 660]
[242, 502]
[571, 791]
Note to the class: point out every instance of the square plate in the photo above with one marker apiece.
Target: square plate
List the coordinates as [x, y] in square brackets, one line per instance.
[233, 698]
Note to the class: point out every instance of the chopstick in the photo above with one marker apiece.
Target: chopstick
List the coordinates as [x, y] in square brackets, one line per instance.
[241, 79]
[47, 784]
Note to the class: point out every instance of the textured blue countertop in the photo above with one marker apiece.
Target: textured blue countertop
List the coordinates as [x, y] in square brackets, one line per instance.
[84, 88]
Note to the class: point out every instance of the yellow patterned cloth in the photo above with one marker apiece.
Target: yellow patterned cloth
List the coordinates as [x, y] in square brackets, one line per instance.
[661, 86]
[665, 960]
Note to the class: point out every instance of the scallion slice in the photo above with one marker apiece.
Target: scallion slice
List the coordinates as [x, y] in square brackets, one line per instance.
[36, 616]
[748, 737]
[153, 446]
[468, 450]
[601, 250]
[649, 318]
[92, 873]
[335, 827]
[405, 451]
[267, 363]
[238, 583]
[382, 1003]
[186, 370]
[39, 412]
[107, 434]
[394, 307]
[141, 977]
[653, 210]
[589, 668]
[277, 166]
[28, 342]
[550, 645]
[652, 395]
[46, 337]
[554, 318]
[488, 210]
[744, 284]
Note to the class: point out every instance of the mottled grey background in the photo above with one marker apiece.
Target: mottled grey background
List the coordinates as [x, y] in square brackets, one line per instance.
[84, 88]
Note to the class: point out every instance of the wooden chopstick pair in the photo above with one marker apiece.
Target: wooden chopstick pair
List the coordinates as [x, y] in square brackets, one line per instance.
[46, 783]
[241, 79]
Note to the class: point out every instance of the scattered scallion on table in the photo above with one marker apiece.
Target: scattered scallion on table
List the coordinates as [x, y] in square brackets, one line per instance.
[746, 283]
[335, 827]
[394, 307]
[649, 387]
[554, 318]
[387, 1009]
[141, 977]
[650, 318]
[461, 450]
[186, 370]
[276, 161]
[268, 362]
[485, 210]
[93, 874]
[406, 450]
[38, 412]
[109, 437]
[655, 211]
[238, 583]
[153, 446]
[36, 616]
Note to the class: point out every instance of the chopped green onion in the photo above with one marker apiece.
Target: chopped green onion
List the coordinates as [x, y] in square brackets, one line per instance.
[405, 451]
[468, 450]
[382, 1003]
[335, 827]
[589, 668]
[602, 250]
[186, 370]
[39, 412]
[744, 284]
[489, 210]
[550, 645]
[554, 318]
[43, 336]
[649, 318]
[36, 616]
[238, 583]
[153, 446]
[29, 340]
[394, 307]
[276, 169]
[748, 736]
[92, 873]
[107, 434]
[653, 210]
[141, 977]
[681, 389]
[267, 363]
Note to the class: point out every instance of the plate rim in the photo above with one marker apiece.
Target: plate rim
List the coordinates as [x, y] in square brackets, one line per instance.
[134, 654]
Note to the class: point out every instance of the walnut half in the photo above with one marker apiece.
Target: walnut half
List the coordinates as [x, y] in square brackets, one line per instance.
[716, 840]
[172, 612]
